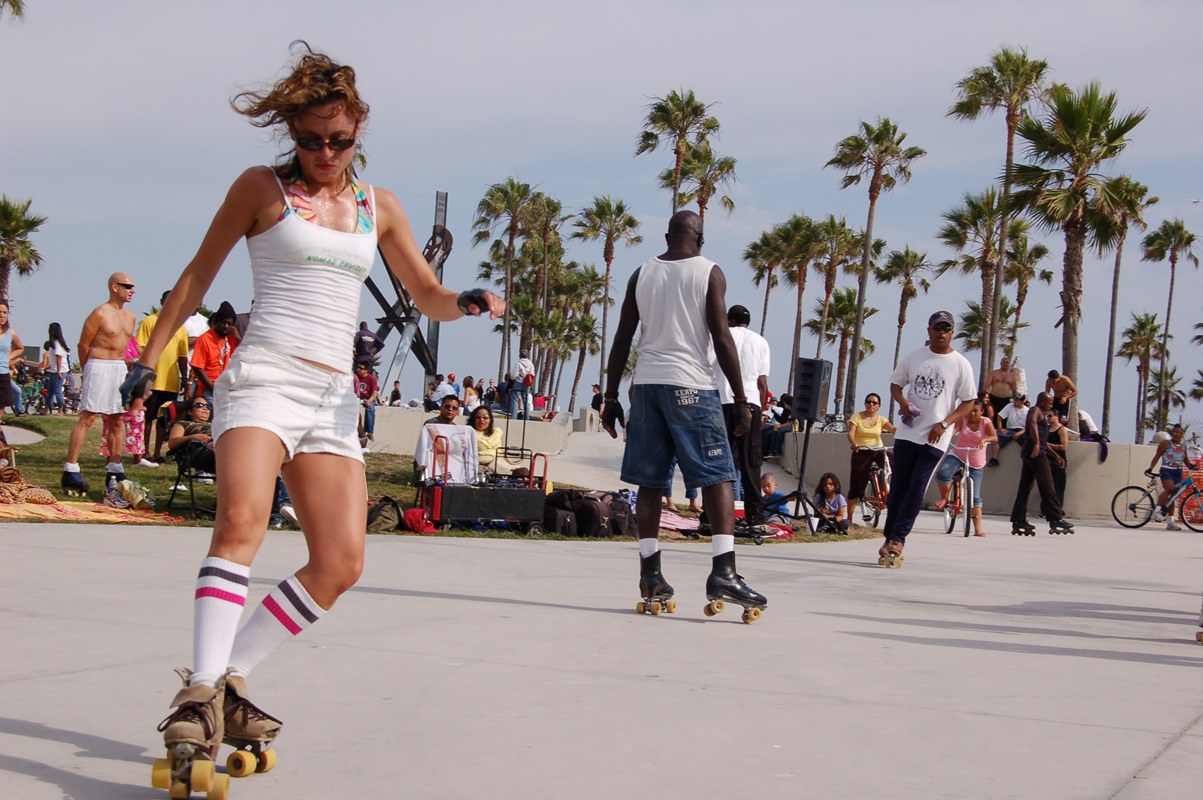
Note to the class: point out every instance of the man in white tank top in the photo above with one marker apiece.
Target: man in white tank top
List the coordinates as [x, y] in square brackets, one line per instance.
[679, 300]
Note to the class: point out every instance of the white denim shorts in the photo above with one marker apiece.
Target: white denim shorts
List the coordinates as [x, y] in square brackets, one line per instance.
[312, 410]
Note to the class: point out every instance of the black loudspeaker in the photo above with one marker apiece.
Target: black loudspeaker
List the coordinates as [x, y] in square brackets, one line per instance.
[812, 382]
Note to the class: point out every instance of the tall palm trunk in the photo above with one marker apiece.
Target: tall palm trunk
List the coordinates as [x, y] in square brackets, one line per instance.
[503, 361]
[601, 367]
[828, 287]
[996, 308]
[793, 359]
[841, 371]
[989, 326]
[768, 285]
[1163, 412]
[576, 381]
[898, 343]
[680, 153]
[1119, 254]
[1071, 300]
[862, 287]
[1141, 403]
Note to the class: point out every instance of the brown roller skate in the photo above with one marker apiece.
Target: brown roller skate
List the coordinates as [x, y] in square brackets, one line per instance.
[248, 730]
[890, 554]
[193, 734]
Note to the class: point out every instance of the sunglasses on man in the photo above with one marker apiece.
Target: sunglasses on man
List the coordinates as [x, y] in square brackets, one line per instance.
[942, 327]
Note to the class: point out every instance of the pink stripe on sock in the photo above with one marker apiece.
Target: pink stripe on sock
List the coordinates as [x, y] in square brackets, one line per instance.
[220, 594]
[277, 612]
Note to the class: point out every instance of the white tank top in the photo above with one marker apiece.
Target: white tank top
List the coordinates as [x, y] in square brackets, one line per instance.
[308, 281]
[674, 343]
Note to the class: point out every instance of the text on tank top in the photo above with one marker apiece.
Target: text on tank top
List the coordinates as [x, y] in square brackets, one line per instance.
[307, 282]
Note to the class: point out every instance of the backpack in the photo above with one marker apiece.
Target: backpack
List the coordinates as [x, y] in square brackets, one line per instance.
[622, 517]
[593, 518]
[384, 516]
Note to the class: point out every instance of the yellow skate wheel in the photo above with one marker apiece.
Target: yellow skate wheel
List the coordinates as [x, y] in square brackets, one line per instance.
[201, 775]
[655, 608]
[1199, 637]
[751, 615]
[672, 609]
[220, 789]
[241, 763]
[714, 607]
[641, 608]
[267, 760]
[160, 773]
[179, 791]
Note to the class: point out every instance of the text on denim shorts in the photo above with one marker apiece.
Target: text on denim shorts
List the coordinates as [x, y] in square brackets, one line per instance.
[686, 397]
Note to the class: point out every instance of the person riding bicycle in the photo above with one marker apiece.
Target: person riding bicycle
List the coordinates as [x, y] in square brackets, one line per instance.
[864, 433]
[973, 434]
[1172, 453]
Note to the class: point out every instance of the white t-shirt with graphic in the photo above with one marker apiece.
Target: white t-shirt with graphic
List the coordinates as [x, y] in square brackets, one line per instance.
[938, 384]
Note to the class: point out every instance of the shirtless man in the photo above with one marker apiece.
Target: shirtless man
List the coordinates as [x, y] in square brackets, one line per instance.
[102, 343]
[1001, 386]
[1063, 390]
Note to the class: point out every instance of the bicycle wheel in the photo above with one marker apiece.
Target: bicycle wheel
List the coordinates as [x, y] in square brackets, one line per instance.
[952, 507]
[1191, 511]
[1132, 506]
[967, 493]
[871, 503]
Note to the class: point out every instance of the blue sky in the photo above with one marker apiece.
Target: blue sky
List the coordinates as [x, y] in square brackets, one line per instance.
[118, 126]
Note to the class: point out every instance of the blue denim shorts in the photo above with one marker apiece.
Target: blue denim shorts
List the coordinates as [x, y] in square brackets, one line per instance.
[948, 468]
[675, 420]
[1171, 474]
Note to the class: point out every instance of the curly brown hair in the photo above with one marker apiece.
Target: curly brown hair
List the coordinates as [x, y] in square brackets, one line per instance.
[315, 80]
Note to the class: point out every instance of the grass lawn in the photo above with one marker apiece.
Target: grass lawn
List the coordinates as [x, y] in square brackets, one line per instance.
[41, 464]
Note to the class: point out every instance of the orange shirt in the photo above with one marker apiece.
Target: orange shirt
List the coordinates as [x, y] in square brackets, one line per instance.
[212, 354]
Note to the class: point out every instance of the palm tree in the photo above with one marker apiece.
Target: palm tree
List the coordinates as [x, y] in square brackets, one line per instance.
[16, 226]
[903, 267]
[876, 152]
[1164, 390]
[707, 174]
[1020, 268]
[609, 220]
[973, 229]
[763, 257]
[1196, 389]
[1141, 343]
[972, 329]
[796, 242]
[14, 7]
[1131, 199]
[1197, 339]
[836, 244]
[1079, 133]
[544, 220]
[1009, 82]
[1173, 241]
[505, 206]
[676, 118]
[843, 327]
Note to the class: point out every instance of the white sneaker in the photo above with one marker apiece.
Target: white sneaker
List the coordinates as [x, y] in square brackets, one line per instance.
[1158, 515]
[146, 463]
[290, 514]
[204, 477]
[179, 487]
[1172, 526]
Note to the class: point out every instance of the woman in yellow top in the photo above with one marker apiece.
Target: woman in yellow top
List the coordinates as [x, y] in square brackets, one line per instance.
[488, 437]
[864, 431]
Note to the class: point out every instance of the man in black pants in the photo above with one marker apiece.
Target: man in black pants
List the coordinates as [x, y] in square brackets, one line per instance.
[753, 352]
[1035, 455]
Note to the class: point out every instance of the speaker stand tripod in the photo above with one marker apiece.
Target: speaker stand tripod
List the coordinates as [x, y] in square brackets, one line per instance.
[802, 502]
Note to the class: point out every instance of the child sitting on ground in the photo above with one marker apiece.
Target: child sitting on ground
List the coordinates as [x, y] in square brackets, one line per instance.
[775, 504]
[831, 505]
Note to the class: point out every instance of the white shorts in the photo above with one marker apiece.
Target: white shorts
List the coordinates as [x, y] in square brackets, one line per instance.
[101, 392]
[312, 410]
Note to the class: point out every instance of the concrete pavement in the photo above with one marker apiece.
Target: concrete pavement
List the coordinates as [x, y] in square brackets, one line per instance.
[1047, 667]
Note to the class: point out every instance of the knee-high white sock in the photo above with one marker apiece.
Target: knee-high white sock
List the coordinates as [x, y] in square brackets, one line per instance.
[648, 546]
[284, 613]
[722, 543]
[220, 597]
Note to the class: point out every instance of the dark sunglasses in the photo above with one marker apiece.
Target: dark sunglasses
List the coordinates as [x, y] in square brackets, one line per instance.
[126, 285]
[201, 405]
[337, 145]
[942, 327]
[872, 402]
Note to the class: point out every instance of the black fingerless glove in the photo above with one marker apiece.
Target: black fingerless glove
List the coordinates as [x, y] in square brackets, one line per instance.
[472, 302]
[610, 413]
[743, 417]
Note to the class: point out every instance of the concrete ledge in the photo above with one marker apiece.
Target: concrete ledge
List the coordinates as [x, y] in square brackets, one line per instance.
[1089, 485]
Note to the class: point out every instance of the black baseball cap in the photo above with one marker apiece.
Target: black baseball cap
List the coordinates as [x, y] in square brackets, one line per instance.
[941, 316]
[740, 315]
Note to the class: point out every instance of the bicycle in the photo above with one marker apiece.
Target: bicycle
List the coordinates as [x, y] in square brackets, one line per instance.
[1133, 506]
[832, 423]
[960, 494]
[34, 395]
[877, 490]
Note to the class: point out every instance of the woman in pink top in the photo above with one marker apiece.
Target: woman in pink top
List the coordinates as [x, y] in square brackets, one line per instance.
[974, 433]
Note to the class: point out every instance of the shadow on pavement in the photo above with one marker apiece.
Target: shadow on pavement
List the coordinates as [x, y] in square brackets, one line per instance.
[77, 785]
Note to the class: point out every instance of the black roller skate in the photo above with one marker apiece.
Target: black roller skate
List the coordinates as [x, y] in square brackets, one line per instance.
[1059, 526]
[725, 585]
[1023, 528]
[656, 593]
[74, 484]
